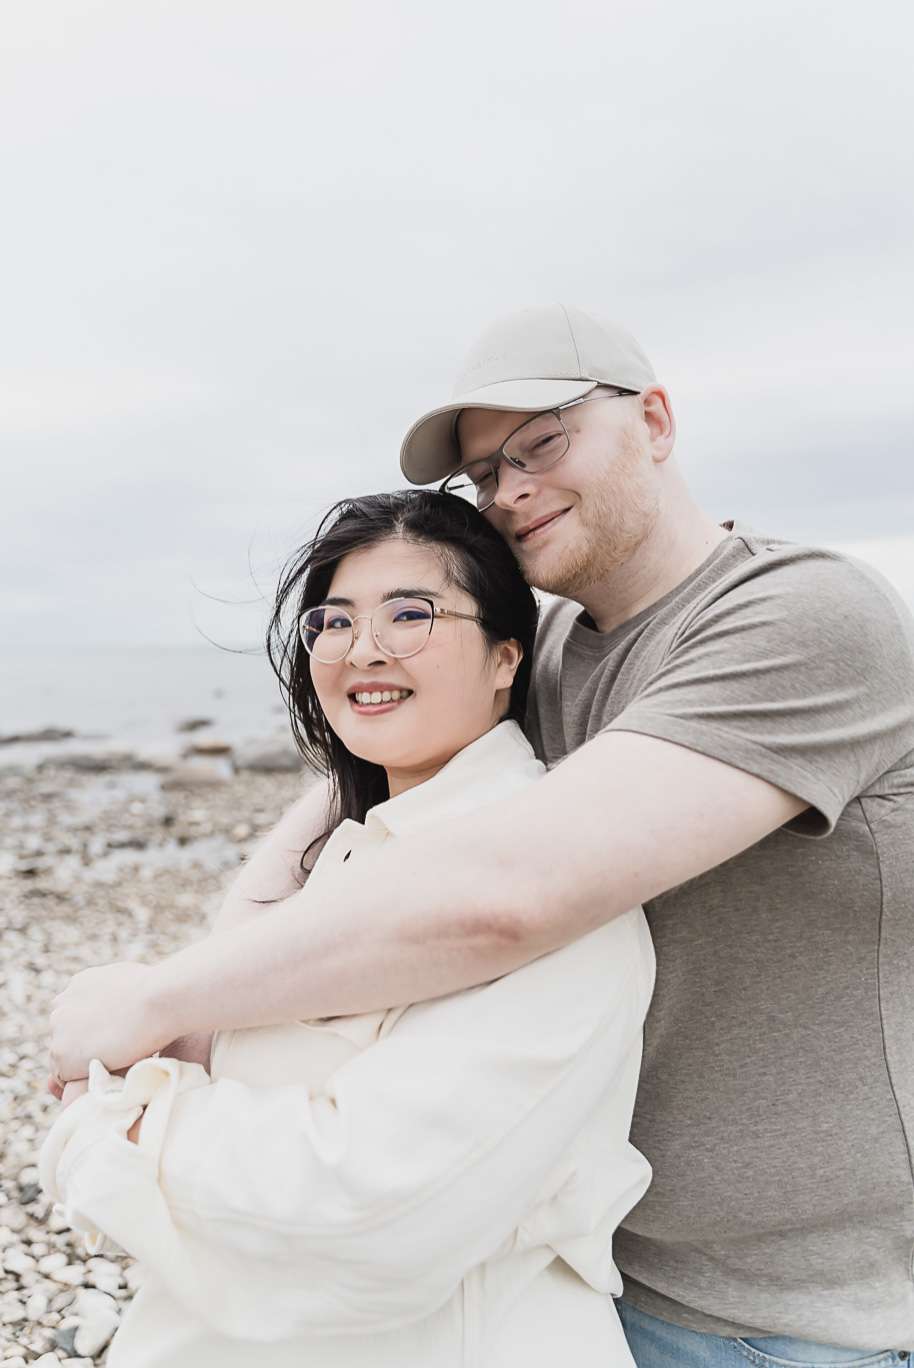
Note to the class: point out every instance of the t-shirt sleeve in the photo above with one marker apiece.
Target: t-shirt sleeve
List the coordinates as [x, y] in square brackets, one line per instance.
[801, 673]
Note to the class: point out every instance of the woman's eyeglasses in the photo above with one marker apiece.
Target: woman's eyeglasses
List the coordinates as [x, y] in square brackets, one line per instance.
[400, 627]
[539, 442]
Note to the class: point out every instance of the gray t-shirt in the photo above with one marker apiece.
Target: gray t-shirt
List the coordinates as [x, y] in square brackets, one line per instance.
[777, 1096]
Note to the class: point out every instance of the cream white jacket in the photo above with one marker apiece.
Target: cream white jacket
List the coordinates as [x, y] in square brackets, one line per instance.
[431, 1187]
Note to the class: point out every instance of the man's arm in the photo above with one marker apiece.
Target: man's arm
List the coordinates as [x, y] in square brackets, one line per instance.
[622, 820]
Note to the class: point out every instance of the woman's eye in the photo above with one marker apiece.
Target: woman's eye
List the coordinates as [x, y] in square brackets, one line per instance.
[336, 623]
[412, 615]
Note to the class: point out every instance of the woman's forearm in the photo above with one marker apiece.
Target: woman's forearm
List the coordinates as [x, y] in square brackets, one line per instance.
[273, 871]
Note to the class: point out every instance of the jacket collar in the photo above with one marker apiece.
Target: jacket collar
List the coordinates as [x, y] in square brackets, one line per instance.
[488, 768]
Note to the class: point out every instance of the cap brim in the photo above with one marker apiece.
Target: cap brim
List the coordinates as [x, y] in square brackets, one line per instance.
[430, 451]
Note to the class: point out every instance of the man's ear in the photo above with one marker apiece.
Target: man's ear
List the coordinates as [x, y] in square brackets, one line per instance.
[661, 425]
[508, 655]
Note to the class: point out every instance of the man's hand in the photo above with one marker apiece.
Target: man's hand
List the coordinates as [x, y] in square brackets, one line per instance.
[104, 1014]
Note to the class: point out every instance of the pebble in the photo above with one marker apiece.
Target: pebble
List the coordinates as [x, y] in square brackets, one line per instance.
[95, 1331]
[273, 755]
[90, 1302]
[17, 1261]
[90, 840]
[71, 1275]
[66, 1336]
[36, 1306]
[52, 1262]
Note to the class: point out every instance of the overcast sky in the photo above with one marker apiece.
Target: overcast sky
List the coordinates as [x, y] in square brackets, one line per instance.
[246, 242]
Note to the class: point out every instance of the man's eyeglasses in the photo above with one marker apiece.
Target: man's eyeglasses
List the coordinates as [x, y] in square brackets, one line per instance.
[400, 627]
[537, 444]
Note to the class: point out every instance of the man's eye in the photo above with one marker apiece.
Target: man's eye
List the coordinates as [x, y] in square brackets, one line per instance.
[545, 442]
[482, 479]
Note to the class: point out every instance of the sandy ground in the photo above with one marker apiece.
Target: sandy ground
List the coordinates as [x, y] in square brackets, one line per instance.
[93, 868]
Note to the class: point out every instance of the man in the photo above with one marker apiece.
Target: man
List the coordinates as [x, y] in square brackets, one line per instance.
[738, 717]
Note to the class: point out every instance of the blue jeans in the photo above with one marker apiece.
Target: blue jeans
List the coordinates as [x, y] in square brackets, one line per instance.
[657, 1344]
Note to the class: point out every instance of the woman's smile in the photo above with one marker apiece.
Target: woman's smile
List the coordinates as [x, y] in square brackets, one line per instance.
[368, 700]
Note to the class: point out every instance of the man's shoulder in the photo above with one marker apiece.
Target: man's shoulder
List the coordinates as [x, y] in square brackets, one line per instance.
[758, 598]
[817, 585]
[807, 581]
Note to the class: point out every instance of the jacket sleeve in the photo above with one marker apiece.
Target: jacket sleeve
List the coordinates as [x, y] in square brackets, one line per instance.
[272, 1211]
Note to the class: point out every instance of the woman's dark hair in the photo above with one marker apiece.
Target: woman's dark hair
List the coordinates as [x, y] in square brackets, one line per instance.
[475, 559]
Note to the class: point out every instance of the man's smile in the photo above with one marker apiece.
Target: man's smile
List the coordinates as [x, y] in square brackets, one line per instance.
[533, 530]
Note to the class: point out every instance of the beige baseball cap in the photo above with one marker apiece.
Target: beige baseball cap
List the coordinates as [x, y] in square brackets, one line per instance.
[527, 361]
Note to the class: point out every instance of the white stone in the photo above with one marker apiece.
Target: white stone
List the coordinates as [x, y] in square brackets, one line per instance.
[72, 1275]
[6, 1237]
[46, 1361]
[95, 1332]
[107, 1277]
[51, 1262]
[99, 1265]
[104, 1283]
[90, 1301]
[36, 1306]
[28, 1175]
[17, 1261]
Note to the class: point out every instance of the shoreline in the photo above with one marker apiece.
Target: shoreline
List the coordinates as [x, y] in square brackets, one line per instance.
[123, 862]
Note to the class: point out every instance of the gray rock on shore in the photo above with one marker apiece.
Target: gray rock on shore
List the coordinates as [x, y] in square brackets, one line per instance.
[272, 755]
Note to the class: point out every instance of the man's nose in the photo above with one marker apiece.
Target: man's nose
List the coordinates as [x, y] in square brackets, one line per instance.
[514, 486]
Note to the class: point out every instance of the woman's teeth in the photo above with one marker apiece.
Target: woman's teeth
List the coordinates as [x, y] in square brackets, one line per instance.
[383, 696]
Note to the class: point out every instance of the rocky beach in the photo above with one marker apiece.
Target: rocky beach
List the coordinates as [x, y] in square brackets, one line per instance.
[105, 854]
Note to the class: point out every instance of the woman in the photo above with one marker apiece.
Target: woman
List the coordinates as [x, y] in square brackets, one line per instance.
[430, 1186]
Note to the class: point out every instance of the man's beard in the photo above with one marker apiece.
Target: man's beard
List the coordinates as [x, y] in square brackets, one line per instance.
[620, 511]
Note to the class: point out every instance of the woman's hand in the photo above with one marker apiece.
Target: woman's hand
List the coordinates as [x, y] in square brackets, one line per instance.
[108, 1014]
[195, 1048]
[72, 1090]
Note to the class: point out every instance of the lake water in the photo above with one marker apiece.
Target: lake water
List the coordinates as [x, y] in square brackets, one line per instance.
[134, 696]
